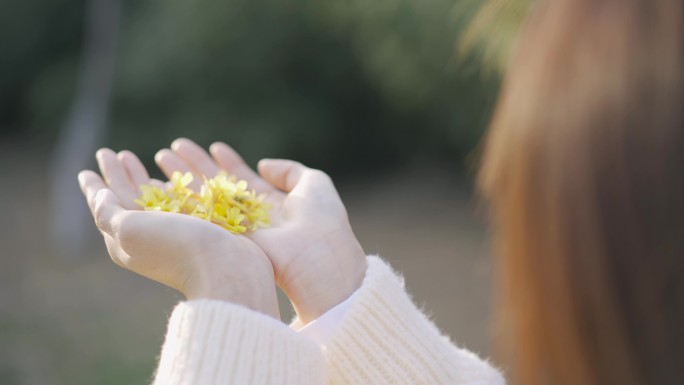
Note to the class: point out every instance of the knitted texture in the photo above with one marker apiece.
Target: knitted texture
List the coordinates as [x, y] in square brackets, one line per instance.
[213, 342]
[384, 339]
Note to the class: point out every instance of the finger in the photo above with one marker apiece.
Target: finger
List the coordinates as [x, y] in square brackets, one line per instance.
[229, 160]
[196, 157]
[281, 173]
[157, 183]
[90, 183]
[134, 168]
[169, 162]
[116, 177]
[103, 203]
[106, 206]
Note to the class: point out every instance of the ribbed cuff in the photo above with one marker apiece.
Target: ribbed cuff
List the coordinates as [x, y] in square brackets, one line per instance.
[320, 329]
[385, 339]
[215, 342]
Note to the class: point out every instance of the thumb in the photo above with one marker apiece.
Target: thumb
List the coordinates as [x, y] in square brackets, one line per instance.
[106, 207]
[103, 203]
[282, 173]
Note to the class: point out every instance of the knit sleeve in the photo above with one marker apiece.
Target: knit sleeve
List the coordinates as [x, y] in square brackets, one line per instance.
[213, 342]
[384, 338]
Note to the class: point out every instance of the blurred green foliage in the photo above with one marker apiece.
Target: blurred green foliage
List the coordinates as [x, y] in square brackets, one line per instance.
[347, 86]
[38, 40]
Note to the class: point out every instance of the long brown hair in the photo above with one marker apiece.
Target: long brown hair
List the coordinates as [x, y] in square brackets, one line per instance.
[584, 169]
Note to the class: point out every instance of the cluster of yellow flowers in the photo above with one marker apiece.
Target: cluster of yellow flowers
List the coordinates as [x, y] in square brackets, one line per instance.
[222, 200]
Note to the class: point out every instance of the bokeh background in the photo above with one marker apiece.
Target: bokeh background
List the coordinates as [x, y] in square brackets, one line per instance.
[390, 97]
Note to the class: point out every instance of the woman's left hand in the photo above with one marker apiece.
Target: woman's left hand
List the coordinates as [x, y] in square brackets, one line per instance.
[194, 256]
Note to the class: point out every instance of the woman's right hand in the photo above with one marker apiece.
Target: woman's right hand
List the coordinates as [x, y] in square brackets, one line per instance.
[194, 256]
[317, 259]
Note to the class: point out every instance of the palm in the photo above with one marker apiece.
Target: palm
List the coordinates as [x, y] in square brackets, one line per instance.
[291, 241]
[175, 237]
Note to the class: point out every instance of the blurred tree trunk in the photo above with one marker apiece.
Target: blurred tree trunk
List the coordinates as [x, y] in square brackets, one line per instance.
[84, 128]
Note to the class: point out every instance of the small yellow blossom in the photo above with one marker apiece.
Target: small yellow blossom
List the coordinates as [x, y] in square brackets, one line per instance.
[222, 200]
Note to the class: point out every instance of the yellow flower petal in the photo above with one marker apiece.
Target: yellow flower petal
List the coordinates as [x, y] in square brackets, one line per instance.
[223, 200]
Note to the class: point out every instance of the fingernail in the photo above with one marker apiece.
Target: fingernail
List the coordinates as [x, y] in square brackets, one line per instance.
[158, 156]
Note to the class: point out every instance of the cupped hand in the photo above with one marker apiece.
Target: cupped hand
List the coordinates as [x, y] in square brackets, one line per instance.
[194, 256]
[317, 260]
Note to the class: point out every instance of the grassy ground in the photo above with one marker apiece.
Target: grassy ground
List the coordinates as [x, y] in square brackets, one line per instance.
[86, 321]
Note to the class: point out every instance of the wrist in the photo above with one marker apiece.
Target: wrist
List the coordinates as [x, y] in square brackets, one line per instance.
[249, 283]
[337, 270]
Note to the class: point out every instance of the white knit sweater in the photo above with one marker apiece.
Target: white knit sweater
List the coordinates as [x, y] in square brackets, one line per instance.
[382, 339]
